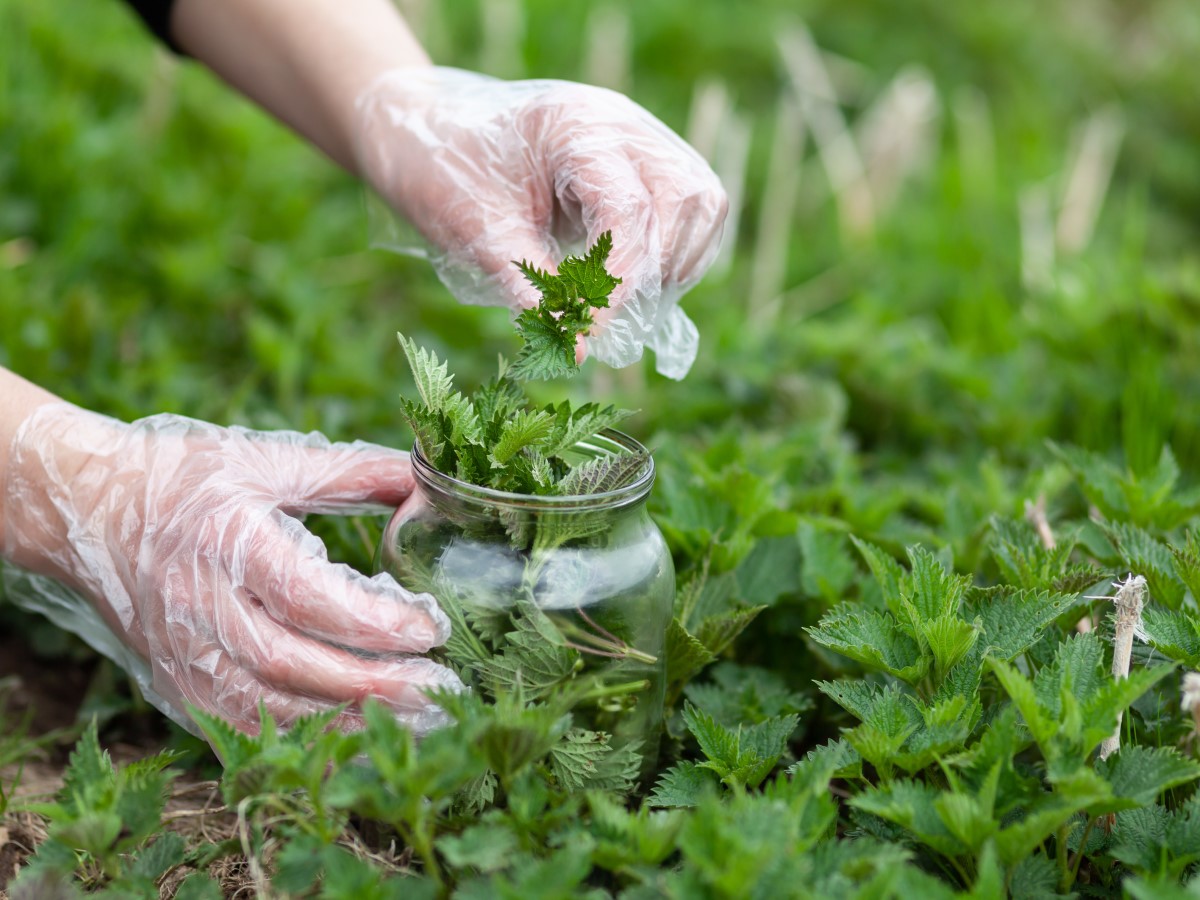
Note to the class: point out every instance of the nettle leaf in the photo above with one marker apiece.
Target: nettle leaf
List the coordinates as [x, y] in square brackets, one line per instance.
[744, 756]
[1077, 669]
[751, 694]
[1013, 621]
[835, 759]
[533, 658]
[1139, 551]
[1022, 558]
[485, 848]
[934, 591]
[1176, 635]
[718, 632]
[873, 639]
[1187, 562]
[684, 784]
[1141, 774]
[434, 382]
[827, 567]
[884, 707]
[912, 805]
[887, 571]
[548, 351]
[949, 639]
[605, 473]
[686, 655]
[587, 272]
[572, 426]
[585, 760]
[520, 431]
[1021, 692]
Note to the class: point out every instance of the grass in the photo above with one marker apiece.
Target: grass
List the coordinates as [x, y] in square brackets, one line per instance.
[164, 247]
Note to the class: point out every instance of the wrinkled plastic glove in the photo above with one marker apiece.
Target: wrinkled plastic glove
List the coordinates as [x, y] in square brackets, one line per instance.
[170, 546]
[494, 171]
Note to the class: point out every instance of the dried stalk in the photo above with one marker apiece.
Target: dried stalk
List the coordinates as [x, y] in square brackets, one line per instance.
[1128, 620]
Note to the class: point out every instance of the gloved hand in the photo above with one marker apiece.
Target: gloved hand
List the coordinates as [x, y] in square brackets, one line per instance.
[493, 171]
[197, 579]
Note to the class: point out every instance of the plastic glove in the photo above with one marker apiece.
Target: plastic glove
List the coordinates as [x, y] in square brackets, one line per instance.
[190, 571]
[492, 171]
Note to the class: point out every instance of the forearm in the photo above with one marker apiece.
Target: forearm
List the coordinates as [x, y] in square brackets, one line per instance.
[304, 61]
[18, 398]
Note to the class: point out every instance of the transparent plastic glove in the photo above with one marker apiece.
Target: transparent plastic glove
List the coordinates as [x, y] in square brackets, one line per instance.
[170, 545]
[493, 171]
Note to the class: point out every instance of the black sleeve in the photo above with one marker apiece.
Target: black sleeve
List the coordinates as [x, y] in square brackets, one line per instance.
[157, 16]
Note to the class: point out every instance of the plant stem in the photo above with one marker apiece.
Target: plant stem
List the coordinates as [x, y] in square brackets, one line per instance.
[1064, 868]
[1087, 832]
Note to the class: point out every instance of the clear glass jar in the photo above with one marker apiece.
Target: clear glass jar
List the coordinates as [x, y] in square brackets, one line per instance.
[596, 565]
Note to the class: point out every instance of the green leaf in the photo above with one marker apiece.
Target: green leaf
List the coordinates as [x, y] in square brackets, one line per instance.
[585, 760]
[523, 429]
[888, 573]
[485, 848]
[873, 639]
[686, 656]
[934, 592]
[718, 632]
[1013, 621]
[605, 473]
[1143, 773]
[684, 784]
[1173, 634]
[434, 383]
[534, 658]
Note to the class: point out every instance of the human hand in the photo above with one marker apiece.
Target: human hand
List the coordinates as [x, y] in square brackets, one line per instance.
[182, 537]
[493, 171]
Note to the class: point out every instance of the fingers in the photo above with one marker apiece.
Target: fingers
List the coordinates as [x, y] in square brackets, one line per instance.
[299, 666]
[221, 686]
[305, 473]
[283, 566]
[612, 197]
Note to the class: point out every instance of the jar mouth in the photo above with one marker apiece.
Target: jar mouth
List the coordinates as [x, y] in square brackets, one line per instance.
[608, 442]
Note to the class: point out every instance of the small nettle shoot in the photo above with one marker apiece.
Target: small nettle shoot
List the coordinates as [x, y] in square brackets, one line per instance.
[493, 438]
[564, 312]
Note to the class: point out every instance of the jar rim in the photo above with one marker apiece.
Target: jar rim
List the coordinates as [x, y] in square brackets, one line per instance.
[617, 441]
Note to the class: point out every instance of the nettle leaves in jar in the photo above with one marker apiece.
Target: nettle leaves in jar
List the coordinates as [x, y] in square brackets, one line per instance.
[493, 437]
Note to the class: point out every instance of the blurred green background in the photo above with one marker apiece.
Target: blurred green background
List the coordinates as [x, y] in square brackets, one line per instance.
[960, 229]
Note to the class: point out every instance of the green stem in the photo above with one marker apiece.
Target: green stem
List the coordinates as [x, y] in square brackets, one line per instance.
[1087, 832]
[1064, 868]
[615, 690]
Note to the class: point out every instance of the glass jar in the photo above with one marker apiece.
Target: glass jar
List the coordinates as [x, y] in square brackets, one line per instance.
[594, 567]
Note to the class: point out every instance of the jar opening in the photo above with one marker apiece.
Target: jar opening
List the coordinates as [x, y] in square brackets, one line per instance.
[607, 443]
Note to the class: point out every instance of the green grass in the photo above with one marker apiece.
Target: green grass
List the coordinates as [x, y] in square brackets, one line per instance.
[164, 247]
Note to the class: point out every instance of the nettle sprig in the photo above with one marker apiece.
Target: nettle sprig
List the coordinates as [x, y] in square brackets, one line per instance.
[550, 329]
[493, 438]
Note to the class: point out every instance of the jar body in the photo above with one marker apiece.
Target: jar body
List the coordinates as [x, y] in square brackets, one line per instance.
[597, 574]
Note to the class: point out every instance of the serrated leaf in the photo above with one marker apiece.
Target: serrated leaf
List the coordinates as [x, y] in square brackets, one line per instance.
[434, 383]
[684, 784]
[686, 656]
[887, 571]
[911, 805]
[548, 352]
[884, 707]
[604, 473]
[718, 632]
[585, 760]
[1173, 634]
[533, 659]
[1141, 774]
[873, 639]
[934, 591]
[486, 848]
[523, 429]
